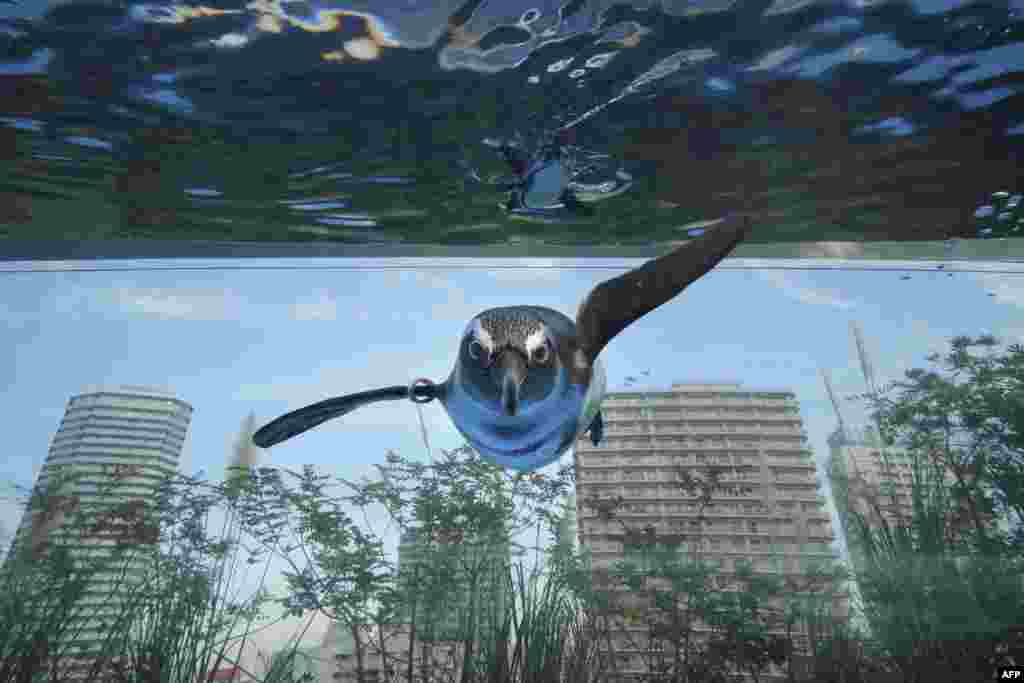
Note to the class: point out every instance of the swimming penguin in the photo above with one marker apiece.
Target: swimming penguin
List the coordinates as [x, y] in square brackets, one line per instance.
[528, 381]
[544, 189]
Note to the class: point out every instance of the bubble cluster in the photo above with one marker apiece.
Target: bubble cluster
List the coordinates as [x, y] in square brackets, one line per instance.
[560, 65]
[1002, 217]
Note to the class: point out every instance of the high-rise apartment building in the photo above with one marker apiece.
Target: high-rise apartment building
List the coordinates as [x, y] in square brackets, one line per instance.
[127, 437]
[755, 439]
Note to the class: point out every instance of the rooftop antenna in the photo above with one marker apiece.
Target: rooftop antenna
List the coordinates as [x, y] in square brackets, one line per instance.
[423, 434]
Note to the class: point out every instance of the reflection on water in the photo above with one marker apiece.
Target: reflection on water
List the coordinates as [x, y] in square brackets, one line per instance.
[831, 121]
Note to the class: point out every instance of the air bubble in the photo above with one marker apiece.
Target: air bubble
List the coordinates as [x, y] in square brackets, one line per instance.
[534, 80]
[576, 73]
[529, 16]
[560, 65]
[1013, 202]
[156, 13]
[720, 84]
[599, 61]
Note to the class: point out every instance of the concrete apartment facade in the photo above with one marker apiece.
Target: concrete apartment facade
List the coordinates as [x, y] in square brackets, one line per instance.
[127, 434]
[754, 436]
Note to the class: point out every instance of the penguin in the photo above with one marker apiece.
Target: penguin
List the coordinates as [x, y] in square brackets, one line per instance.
[528, 381]
[544, 189]
[539, 188]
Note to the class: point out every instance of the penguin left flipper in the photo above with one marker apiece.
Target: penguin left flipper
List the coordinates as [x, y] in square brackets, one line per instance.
[304, 419]
[615, 304]
[597, 429]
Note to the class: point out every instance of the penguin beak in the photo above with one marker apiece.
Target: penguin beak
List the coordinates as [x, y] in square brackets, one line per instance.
[511, 369]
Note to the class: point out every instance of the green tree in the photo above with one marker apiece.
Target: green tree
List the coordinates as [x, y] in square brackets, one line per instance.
[942, 588]
[171, 619]
[965, 415]
[461, 508]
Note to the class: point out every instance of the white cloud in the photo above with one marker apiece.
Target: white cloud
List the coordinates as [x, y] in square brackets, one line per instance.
[325, 307]
[446, 300]
[808, 295]
[842, 250]
[180, 304]
[74, 300]
[196, 303]
[1008, 289]
[363, 373]
[534, 272]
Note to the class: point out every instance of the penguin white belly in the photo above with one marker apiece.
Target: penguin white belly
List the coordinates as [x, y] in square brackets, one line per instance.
[592, 399]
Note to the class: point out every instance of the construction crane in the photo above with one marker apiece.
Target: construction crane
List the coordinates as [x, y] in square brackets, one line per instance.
[869, 380]
[865, 362]
[835, 401]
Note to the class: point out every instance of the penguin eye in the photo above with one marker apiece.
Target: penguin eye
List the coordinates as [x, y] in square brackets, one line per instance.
[541, 354]
[476, 350]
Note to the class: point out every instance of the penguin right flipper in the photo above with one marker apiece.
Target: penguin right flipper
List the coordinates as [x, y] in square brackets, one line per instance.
[597, 429]
[304, 419]
[615, 304]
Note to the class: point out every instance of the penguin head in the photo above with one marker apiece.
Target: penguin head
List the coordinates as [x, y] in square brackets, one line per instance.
[508, 361]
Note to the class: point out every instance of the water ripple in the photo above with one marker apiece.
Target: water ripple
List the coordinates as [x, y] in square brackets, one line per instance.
[851, 119]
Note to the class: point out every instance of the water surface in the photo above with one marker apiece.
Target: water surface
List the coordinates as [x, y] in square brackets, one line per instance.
[365, 122]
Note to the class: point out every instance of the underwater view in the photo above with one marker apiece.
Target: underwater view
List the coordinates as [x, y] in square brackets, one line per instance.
[405, 125]
[502, 342]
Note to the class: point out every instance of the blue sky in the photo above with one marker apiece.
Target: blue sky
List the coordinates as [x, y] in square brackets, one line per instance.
[231, 341]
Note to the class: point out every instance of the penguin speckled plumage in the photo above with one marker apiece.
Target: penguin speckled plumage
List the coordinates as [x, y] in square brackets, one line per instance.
[527, 380]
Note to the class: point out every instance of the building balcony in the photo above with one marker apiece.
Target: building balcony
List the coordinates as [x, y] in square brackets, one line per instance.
[658, 413]
[672, 427]
[662, 441]
[676, 401]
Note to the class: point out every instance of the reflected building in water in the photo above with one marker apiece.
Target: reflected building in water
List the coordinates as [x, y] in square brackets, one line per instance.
[457, 560]
[875, 483]
[115, 444]
[766, 509]
[456, 590]
[863, 481]
[868, 478]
